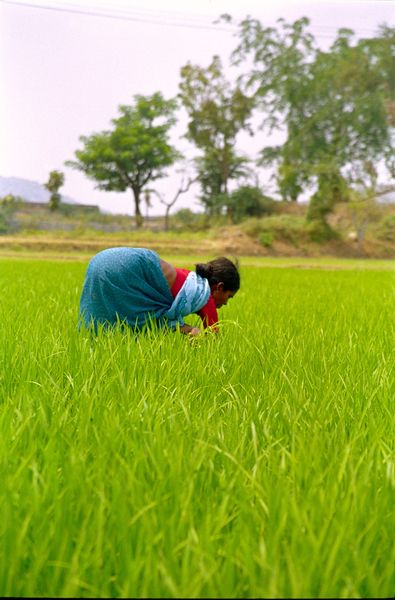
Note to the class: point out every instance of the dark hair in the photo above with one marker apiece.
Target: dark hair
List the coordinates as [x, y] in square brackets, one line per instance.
[220, 269]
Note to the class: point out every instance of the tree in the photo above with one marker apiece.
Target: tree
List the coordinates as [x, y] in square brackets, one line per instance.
[279, 82]
[332, 188]
[209, 167]
[183, 187]
[336, 107]
[217, 113]
[54, 183]
[135, 152]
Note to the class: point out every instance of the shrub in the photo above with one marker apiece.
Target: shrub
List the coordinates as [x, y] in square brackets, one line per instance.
[7, 210]
[248, 201]
[287, 228]
[253, 227]
[385, 229]
[187, 219]
[266, 239]
[320, 231]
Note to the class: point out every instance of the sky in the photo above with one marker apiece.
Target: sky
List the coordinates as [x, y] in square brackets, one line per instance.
[66, 66]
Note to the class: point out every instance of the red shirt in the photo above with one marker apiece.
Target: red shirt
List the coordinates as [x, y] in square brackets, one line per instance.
[208, 313]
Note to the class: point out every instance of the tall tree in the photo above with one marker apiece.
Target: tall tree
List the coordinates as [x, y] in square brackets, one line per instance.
[279, 81]
[135, 152]
[217, 113]
[54, 183]
[336, 108]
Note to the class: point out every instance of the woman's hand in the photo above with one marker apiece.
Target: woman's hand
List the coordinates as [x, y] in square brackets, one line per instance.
[191, 331]
[195, 331]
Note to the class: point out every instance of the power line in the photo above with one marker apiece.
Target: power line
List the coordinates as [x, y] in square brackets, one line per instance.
[120, 17]
[323, 31]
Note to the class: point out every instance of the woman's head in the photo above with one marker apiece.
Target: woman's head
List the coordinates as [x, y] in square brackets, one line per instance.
[223, 277]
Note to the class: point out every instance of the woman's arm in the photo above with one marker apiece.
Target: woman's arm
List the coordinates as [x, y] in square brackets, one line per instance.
[209, 315]
[168, 271]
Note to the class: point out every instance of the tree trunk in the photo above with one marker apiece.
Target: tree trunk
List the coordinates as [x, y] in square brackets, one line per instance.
[167, 217]
[138, 216]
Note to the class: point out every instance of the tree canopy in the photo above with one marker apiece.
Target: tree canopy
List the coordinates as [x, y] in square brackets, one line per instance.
[336, 107]
[53, 185]
[135, 152]
[217, 112]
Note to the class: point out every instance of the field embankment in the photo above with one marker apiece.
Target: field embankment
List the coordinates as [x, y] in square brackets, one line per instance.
[285, 233]
[230, 240]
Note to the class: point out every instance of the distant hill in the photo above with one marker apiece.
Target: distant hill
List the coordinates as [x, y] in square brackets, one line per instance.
[30, 191]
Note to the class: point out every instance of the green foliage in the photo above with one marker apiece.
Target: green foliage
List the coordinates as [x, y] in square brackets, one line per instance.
[364, 211]
[287, 228]
[253, 226]
[249, 201]
[185, 216]
[290, 179]
[255, 464]
[290, 229]
[266, 238]
[187, 219]
[320, 231]
[385, 229]
[7, 210]
[211, 177]
[217, 113]
[54, 201]
[9, 201]
[336, 107]
[217, 204]
[135, 152]
[79, 210]
[243, 203]
[332, 189]
[54, 183]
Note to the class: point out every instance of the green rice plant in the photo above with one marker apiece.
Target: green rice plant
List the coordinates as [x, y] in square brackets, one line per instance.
[255, 463]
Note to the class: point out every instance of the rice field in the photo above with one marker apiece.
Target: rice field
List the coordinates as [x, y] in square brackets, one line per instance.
[256, 463]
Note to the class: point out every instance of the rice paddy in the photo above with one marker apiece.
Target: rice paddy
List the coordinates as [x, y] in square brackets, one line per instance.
[255, 463]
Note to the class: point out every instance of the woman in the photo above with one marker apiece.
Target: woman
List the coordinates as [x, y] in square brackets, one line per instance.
[135, 286]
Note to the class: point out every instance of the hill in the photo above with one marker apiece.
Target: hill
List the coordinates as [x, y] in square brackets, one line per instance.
[30, 191]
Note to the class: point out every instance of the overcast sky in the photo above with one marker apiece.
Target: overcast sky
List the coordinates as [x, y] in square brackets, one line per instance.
[66, 66]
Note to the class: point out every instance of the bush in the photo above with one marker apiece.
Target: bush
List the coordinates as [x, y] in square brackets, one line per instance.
[286, 228]
[385, 229]
[266, 239]
[253, 227]
[4, 226]
[7, 210]
[320, 231]
[187, 219]
[248, 201]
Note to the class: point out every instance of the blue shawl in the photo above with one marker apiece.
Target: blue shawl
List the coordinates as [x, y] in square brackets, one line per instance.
[127, 285]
